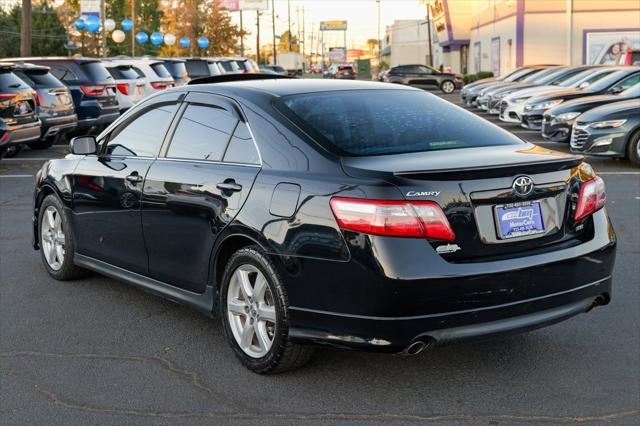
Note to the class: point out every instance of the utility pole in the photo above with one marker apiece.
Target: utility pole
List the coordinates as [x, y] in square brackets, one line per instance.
[304, 42]
[25, 29]
[258, 37]
[133, 28]
[379, 39]
[429, 36]
[241, 35]
[103, 12]
[289, 17]
[273, 23]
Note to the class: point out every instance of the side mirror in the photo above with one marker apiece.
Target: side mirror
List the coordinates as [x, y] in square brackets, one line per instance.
[615, 90]
[583, 85]
[83, 145]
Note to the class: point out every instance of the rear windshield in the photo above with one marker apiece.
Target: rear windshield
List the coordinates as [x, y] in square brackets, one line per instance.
[197, 68]
[95, 71]
[176, 69]
[39, 78]
[160, 70]
[229, 65]
[378, 122]
[9, 80]
[277, 68]
[123, 73]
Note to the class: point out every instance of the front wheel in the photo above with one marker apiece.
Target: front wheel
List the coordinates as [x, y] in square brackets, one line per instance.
[447, 86]
[254, 311]
[633, 149]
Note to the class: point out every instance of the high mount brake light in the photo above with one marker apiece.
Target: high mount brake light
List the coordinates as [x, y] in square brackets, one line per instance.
[591, 199]
[414, 219]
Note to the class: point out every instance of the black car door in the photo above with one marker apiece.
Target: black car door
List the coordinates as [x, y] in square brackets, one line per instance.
[107, 188]
[427, 77]
[197, 186]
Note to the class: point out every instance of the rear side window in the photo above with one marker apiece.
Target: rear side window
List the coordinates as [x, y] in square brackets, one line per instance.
[123, 73]
[160, 70]
[197, 68]
[95, 71]
[39, 78]
[9, 80]
[377, 122]
[63, 73]
[202, 133]
[143, 136]
[176, 69]
[241, 148]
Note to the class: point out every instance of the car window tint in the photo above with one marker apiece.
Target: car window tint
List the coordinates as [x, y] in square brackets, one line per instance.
[176, 69]
[197, 68]
[63, 73]
[241, 148]
[625, 84]
[424, 70]
[143, 136]
[139, 71]
[376, 122]
[10, 80]
[123, 73]
[160, 70]
[96, 72]
[202, 133]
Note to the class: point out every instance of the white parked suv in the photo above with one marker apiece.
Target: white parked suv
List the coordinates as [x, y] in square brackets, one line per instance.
[129, 86]
[156, 77]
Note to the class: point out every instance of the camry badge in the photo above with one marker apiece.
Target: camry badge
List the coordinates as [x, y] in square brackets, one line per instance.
[448, 248]
[522, 186]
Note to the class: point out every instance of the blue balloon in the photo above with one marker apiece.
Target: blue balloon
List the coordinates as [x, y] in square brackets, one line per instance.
[126, 24]
[142, 37]
[185, 42]
[79, 24]
[92, 24]
[156, 38]
[203, 42]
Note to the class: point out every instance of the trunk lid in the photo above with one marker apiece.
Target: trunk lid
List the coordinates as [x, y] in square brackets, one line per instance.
[475, 188]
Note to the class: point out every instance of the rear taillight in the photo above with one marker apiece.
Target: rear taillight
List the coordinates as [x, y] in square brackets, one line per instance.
[37, 97]
[415, 219]
[160, 85]
[93, 89]
[123, 88]
[591, 199]
[5, 98]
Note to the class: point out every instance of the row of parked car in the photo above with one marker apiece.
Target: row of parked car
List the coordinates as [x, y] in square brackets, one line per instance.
[595, 108]
[46, 98]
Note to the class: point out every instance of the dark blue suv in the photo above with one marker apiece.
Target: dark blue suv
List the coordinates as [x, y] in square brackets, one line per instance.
[92, 88]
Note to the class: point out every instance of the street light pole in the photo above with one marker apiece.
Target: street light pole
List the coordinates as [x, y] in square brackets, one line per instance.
[273, 23]
[103, 11]
[289, 18]
[133, 28]
[241, 35]
[429, 36]
[258, 37]
[379, 39]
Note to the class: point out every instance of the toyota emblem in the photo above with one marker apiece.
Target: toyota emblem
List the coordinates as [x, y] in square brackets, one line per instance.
[523, 186]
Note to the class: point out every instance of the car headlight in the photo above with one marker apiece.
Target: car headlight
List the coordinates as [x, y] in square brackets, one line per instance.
[520, 100]
[502, 95]
[547, 105]
[567, 116]
[607, 124]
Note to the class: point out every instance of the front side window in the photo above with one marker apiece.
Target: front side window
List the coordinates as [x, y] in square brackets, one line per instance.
[627, 83]
[378, 122]
[142, 136]
[202, 133]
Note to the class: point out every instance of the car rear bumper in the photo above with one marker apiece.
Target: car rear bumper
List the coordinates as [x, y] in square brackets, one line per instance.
[101, 119]
[556, 131]
[21, 133]
[52, 126]
[397, 299]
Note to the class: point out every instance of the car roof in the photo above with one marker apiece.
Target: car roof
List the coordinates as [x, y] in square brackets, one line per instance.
[133, 61]
[27, 66]
[79, 59]
[294, 86]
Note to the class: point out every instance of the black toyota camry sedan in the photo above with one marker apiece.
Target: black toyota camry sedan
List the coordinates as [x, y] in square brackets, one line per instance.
[320, 212]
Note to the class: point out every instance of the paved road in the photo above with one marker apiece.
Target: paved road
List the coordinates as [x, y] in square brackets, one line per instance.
[96, 351]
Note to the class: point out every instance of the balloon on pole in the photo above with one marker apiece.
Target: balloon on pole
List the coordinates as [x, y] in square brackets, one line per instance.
[156, 38]
[126, 24]
[92, 24]
[79, 24]
[118, 36]
[185, 42]
[203, 42]
[142, 37]
[169, 39]
[109, 25]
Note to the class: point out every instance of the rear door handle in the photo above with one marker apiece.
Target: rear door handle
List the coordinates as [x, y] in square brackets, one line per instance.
[134, 178]
[229, 186]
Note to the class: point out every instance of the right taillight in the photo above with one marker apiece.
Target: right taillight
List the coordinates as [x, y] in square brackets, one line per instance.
[93, 89]
[123, 88]
[591, 199]
[415, 219]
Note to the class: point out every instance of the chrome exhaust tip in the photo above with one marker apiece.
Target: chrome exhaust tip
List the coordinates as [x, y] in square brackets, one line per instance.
[418, 346]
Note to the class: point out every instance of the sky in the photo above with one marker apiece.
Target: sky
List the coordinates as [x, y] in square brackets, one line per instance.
[361, 17]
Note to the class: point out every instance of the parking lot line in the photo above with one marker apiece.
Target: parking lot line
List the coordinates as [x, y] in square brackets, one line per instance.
[16, 176]
[619, 173]
[29, 159]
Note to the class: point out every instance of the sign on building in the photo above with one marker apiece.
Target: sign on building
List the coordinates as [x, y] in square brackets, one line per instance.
[90, 8]
[337, 54]
[333, 25]
[254, 4]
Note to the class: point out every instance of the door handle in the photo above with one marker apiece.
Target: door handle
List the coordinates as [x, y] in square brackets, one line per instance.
[229, 185]
[134, 178]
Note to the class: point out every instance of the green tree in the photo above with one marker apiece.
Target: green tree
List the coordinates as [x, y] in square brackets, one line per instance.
[48, 33]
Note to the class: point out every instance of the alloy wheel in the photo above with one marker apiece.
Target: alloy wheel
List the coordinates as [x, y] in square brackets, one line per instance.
[52, 237]
[448, 87]
[251, 311]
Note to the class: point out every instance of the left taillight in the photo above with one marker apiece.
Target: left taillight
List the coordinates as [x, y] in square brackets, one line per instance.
[592, 198]
[93, 89]
[123, 88]
[160, 85]
[415, 219]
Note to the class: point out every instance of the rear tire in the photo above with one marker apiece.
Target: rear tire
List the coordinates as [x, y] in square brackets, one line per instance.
[633, 149]
[447, 87]
[254, 308]
[11, 151]
[43, 143]
[56, 239]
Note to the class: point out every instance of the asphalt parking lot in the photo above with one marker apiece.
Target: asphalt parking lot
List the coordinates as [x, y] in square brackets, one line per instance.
[96, 351]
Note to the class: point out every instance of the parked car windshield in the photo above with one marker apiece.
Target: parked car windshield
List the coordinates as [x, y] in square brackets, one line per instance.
[95, 71]
[378, 122]
[176, 69]
[9, 80]
[160, 69]
[537, 77]
[604, 83]
[590, 78]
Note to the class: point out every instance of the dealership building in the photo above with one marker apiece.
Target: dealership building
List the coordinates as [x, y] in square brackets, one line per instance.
[498, 35]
